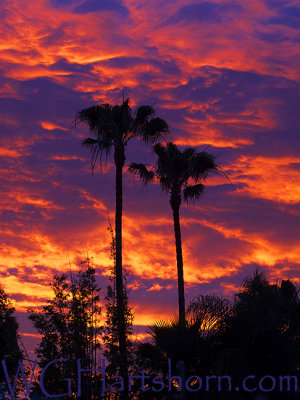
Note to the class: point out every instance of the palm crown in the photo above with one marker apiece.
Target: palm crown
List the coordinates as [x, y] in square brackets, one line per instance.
[177, 172]
[114, 126]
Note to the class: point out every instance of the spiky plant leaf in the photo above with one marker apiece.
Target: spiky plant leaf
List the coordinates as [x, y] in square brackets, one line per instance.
[142, 172]
[143, 113]
[202, 164]
[154, 130]
[89, 142]
[189, 153]
[193, 192]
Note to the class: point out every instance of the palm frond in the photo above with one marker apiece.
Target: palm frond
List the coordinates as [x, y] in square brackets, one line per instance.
[164, 183]
[158, 326]
[172, 149]
[209, 312]
[167, 337]
[192, 192]
[105, 144]
[116, 113]
[202, 164]
[225, 173]
[142, 172]
[90, 116]
[122, 116]
[142, 114]
[154, 130]
[92, 145]
[189, 153]
[98, 147]
[89, 142]
[93, 116]
[159, 149]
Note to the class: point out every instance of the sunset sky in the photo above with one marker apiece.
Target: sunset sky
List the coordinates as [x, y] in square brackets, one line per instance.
[224, 74]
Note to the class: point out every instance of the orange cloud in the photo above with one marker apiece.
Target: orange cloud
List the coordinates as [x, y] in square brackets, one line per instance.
[24, 198]
[218, 129]
[260, 250]
[13, 285]
[157, 287]
[271, 178]
[67, 158]
[229, 288]
[4, 152]
[50, 126]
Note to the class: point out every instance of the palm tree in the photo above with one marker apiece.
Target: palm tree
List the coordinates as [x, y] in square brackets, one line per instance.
[193, 353]
[179, 174]
[113, 127]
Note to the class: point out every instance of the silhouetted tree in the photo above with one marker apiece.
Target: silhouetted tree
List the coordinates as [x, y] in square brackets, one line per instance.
[209, 312]
[110, 338]
[113, 127]
[178, 173]
[70, 329]
[262, 335]
[9, 347]
[256, 335]
[195, 351]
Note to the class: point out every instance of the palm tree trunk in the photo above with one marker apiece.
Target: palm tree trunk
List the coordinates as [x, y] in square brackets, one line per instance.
[178, 244]
[119, 160]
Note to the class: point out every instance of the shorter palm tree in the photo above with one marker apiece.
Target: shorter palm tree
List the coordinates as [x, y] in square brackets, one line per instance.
[181, 174]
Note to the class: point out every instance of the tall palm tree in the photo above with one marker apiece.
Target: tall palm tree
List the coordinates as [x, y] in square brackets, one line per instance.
[180, 174]
[112, 128]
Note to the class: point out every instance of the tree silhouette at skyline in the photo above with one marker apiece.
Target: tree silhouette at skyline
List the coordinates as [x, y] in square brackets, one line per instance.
[70, 328]
[9, 347]
[180, 174]
[113, 127]
[110, 338]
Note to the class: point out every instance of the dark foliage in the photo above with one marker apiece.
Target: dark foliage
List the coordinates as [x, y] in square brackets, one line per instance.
[258, 334]
[70, 329]
[110, 338]
[9, 347]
